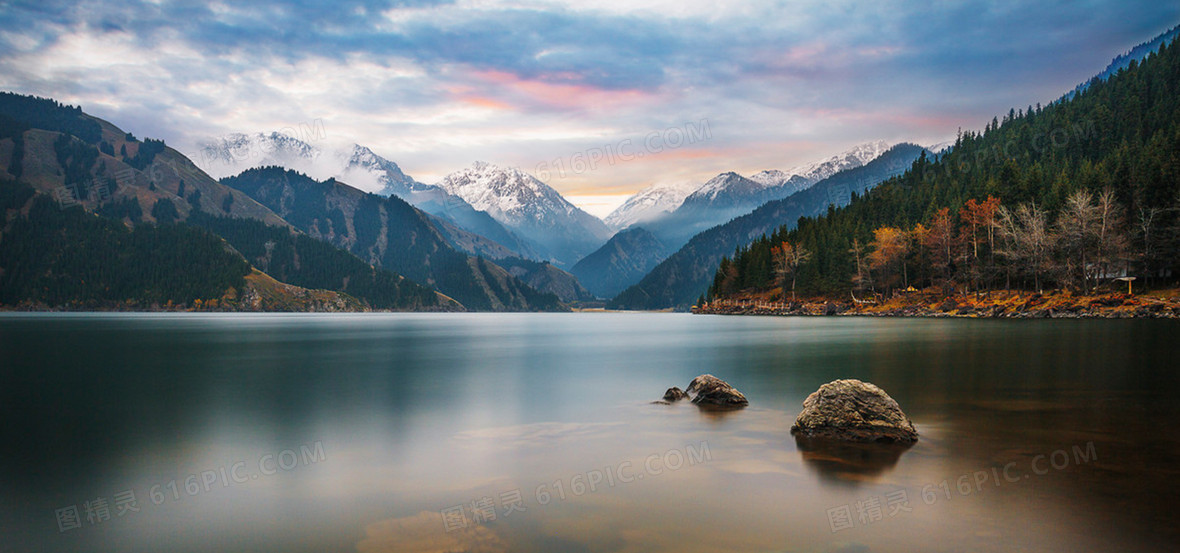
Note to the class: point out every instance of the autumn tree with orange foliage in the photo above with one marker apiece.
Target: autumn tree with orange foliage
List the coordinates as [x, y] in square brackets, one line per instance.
[979, 219]
[890, 246]
[940, 243]
[787, 259]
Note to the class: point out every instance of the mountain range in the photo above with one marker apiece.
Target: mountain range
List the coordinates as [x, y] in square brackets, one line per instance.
[729, 194]
[87, 168]
[561, 231]
[1123, 61]
[1107, 192]
[484, 237]
[514, 210]
[670, 215]
[503, 213]
[682, 277]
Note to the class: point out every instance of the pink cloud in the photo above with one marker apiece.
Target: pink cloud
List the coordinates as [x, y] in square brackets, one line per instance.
[555, 94]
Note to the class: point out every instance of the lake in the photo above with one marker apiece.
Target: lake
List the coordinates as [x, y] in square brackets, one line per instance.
[536, 433]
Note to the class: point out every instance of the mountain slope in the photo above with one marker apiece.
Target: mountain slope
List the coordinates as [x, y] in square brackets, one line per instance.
[390, 233]
[306, 262]
[68, 257]
[648, 204]
[546, 278]
[85, 162]
[1121, 134]
[108, 165]
[530, 208]
[729, 195]
[683, 276]
[1123, 61]
[621, 262]
[360, 166]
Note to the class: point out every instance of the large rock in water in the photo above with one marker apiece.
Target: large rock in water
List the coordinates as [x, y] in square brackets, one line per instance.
[708, 390]
[855, 411]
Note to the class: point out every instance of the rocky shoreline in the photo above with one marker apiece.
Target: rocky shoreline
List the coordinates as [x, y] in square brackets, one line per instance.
[997, 305]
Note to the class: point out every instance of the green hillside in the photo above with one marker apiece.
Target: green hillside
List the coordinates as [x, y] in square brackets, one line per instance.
[1085, 189]
[67, 257]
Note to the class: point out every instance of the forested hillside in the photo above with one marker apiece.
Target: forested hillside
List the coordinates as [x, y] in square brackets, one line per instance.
[67, 257]
[389, 233]
[78, 165]
[304, 261]
[1070, 195]
[683, 276]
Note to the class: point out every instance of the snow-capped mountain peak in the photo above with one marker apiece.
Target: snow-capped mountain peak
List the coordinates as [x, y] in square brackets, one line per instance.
[770, 177]
[725, 183]
[355, 164]
[363, 165]
[855, 157]
[650, 203]
[233, 153]
[505, 192]
[941, 147]
[528, 206]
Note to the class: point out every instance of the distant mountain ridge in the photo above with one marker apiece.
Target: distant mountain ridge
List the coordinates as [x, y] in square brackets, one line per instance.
[673, 214]
[390, 233]
[530, 208]
[111, 174]
[662, 200]
[621, 262]
[1123, 61]
[358, 165]
[683, 276]
[650, 203]
[730, 195]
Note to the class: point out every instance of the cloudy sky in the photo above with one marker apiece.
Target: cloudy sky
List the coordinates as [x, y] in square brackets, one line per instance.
[682, 89]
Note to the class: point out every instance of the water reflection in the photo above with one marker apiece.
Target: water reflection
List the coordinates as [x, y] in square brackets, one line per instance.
[848, 463]
[420, 413]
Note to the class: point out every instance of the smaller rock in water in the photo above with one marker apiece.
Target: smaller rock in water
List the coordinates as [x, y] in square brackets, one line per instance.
[708, 390]
[674, 394]
[855, 411]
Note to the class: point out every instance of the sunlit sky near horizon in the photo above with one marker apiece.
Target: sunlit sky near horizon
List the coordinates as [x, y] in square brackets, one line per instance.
[543, 84]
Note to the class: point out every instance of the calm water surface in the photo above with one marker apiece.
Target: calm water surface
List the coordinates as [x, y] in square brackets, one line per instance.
[535, 433]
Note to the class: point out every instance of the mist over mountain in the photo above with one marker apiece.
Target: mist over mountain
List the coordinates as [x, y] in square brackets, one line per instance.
[730, 195]
[107, 220]
[362, 168]
[651, 203]
[621, 262]
[530, 208]
[683, 276]
[388, 232]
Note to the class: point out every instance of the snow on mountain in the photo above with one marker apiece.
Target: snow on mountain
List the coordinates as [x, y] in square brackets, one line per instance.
[357, 166]
[529, 207]
[730, 195]
[657, 201]
[770, 177]
[650, 203]
[233, 153]
[508, 194]
[941, 147]
[361, 160]
[733, 189]
[857, 156]
[725, 186]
